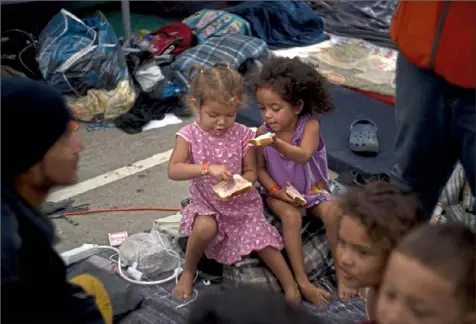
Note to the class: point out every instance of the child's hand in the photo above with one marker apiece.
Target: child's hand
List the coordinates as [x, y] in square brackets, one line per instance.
[282, 195]
[220, 172]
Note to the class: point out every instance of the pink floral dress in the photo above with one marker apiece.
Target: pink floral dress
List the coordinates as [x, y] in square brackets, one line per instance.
[242, 227]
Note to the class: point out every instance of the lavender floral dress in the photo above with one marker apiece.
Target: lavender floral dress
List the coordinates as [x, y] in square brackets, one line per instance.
[310, 179]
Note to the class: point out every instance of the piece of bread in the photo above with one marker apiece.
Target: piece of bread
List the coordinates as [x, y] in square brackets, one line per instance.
[225, 190]
[295, 195]
[262, 140]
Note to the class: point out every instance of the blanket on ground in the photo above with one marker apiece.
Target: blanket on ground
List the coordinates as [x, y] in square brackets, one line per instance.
[351, 62]
[282, 24]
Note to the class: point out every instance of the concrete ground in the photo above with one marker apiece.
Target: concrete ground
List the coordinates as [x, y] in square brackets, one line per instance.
[107, 150]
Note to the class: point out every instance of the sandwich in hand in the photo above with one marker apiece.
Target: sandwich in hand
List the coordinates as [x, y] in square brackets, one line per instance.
[227, 189]
[262, 140]
[295, 195]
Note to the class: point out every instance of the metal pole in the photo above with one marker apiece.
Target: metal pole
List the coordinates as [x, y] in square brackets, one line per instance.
[126, 19]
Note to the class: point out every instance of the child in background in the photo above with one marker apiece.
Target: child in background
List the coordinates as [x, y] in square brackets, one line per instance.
[430, 278]
[247, 305]
[212, 149]
[290, 94]
[375, 217]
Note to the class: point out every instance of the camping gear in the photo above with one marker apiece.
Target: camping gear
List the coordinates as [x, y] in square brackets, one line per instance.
[173, 39]
[363, 137]
[368, 20]
[211, 23]
[84, 60]
[282, 24]
[235, 49]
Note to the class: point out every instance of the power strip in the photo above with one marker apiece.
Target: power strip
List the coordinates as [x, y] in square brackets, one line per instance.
[79, 253]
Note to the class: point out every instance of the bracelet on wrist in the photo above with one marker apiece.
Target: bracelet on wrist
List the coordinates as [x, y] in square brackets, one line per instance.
[205, 167]
[273, 189]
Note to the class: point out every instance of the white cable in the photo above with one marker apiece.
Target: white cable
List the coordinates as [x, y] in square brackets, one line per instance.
[175, 275]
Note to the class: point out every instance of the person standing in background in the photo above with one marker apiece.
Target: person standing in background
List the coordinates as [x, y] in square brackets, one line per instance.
[435, 95]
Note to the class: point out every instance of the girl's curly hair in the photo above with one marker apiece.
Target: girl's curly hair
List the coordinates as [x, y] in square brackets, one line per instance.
[294, 81]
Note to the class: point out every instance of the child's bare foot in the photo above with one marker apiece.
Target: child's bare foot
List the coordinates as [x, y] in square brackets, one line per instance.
[315, 295]
[292, 295]
[363, 293]
[183, 289]
[345, 292]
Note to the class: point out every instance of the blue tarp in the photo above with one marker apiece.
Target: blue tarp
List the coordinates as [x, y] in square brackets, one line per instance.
[77, 55]
[282, 24]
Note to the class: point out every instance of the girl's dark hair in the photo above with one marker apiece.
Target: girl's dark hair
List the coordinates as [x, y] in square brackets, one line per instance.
[247, 305]
[294, 81]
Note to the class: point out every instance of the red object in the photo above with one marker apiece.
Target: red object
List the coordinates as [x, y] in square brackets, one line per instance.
[172, 39]
[116, 239]
[389, 100]
[273, 189]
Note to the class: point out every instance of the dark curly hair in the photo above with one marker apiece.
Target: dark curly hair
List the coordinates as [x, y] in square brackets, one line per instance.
[294, 81]
[386, 212]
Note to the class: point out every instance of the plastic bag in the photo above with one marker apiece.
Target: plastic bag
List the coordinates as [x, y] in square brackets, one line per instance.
[76, 56]
[154, 253]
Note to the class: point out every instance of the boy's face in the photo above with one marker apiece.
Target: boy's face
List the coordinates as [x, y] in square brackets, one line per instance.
[359, 260]
[411, 293]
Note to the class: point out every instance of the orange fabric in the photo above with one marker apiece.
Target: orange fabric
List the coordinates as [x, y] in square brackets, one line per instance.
[414, 29]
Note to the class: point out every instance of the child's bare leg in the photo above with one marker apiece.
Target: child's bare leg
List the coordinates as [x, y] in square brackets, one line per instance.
[204, 230]
[292, 222]
[328, 212]
[275, 261]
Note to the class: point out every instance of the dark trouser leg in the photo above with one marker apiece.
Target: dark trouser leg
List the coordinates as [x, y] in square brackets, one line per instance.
[464, 130]
[433, 120]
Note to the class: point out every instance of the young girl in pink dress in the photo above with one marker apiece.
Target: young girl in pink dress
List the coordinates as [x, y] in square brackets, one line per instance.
[213, 149]
[290, 94]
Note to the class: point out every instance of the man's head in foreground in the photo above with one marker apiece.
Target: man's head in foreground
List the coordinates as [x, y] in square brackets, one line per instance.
[39, 149]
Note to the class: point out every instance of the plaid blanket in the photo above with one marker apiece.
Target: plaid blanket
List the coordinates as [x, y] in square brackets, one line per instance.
[456, 203]
[235, 49]
[319, 267]
[317, 258]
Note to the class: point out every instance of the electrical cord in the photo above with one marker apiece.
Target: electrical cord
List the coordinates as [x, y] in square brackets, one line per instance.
[136, 273]
[121, 209]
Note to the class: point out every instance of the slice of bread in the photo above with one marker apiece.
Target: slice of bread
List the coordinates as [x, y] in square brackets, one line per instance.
[295, 195]
[262, 140]
[225, 190]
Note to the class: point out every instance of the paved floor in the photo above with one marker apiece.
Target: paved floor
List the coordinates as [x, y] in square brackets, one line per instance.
[107, 150]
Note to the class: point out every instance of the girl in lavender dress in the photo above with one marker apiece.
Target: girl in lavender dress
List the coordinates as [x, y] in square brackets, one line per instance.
[290, 93]
[211, 150]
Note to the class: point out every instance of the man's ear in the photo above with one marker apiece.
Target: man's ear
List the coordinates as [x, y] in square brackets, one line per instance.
[297, 108]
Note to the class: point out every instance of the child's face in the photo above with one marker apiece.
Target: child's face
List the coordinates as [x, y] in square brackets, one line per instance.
[216, 118]
[276, 113]
[411, 293]
[359, 260]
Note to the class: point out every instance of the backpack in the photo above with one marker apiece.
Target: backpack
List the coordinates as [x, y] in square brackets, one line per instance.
[172, 39]
[18, 52]
[211, 23]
